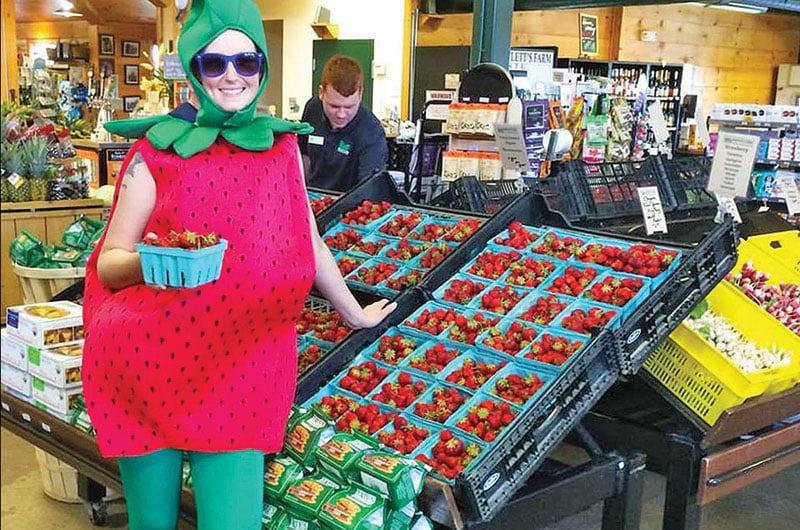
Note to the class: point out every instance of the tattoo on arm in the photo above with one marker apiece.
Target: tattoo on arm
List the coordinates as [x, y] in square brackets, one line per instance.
[131, 170]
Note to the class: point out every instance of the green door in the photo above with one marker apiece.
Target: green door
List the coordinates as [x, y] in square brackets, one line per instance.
[362, 50]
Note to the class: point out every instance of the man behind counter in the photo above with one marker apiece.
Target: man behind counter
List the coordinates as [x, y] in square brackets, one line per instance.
[348, 143]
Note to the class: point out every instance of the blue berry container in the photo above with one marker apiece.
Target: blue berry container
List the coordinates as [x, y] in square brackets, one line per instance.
[179, 267]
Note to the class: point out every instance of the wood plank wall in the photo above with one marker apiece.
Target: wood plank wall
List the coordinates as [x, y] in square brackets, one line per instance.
[736, 54]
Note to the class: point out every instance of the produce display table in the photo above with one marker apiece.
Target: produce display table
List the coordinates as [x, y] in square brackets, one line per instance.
[701, 465]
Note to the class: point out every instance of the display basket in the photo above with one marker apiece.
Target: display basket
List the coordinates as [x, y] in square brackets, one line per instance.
[60, 481]
[687, 177]
[765, 261]
[783, 247]
[704, 379]
[41, 285]
[179, 267]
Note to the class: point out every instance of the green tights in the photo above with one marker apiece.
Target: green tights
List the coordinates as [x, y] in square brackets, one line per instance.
[228, 489]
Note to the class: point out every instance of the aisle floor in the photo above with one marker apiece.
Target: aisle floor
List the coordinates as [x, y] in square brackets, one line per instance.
[772, 504]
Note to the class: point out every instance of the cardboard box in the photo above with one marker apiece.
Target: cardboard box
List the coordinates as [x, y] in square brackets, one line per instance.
[59, 400]
[46, 324]
[13, 351]
[16, 379]
[59, 366]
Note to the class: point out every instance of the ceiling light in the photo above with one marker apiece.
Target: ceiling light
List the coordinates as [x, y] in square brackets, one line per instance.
[66, 13]
[740, 8]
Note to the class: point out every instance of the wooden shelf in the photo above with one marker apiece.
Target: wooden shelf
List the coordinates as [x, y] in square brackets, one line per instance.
[326, 31]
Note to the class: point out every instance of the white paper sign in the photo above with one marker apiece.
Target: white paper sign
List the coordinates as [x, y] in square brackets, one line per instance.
[727, 205]
[732, 165]
[702, 130]
[452, 80]
[652, 210]
[511, 145]
[440, 95]
[658, 122]
[784, 181]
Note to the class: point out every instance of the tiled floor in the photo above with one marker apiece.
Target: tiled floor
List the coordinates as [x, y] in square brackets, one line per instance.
[773, 504]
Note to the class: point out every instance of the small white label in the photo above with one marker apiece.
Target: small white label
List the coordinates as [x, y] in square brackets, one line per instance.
[788, 190]
[440, 95]
[634, 335]
[727, 205]
[26, 416]
[316, 140]
[451, 81]
[733, 162]
[491, 481]
[658, 122]
[16, 180]
[483, 100]
[511, 145]
[652, 210]
[46, 427]
[6, 407]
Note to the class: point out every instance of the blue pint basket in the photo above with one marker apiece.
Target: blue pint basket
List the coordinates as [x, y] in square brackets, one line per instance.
[179, 267]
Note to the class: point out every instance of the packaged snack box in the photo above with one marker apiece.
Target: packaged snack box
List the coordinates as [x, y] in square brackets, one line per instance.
[60, 400]
[354, 507]
[398, 520]
[59, 366]
[286, 521]
[278, 474]
[304, 497]
[16, 379]
[307, 429]
[46, 324]
[271, 513]
[13, 351]
[400, 479]
[339, 455]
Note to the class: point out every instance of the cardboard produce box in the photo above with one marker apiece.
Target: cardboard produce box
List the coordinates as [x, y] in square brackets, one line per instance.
[13, 351]
[59, 366]
[15, 379]
[59, 400]
[46, 324]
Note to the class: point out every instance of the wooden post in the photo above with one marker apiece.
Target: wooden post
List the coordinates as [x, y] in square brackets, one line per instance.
[8, 57]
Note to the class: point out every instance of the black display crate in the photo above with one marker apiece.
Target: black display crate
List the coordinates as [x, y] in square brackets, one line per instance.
[687, 177]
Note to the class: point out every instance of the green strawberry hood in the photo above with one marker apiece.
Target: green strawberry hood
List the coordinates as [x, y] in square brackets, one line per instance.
[207, 19]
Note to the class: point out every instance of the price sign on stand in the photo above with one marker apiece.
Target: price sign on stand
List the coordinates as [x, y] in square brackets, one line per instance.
[784, 181]
[658, 122]
[733, 163]
[511, 145]
[652, 210]
[727, 205]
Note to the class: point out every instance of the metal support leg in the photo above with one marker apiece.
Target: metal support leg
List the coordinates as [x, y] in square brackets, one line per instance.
[623, 511]
[681, 511]
[92, 494]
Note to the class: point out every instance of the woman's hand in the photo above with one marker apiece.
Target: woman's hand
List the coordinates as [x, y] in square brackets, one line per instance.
[372, 315]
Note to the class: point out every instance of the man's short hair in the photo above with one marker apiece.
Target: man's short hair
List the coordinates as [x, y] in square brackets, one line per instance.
[344, 74]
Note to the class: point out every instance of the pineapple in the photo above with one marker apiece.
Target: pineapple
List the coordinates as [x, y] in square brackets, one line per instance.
[35, 154]
[13, 162]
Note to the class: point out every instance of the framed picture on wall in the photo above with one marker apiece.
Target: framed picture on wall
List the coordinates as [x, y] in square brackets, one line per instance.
[131, 74]
[130, 48]
[106, 44]
[129, 103]
[588, 34]
[106, 67]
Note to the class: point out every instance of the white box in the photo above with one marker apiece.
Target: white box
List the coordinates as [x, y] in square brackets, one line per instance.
[46, 324]
[59, 400]
[13, 351]
[15, 379]
[59, 366]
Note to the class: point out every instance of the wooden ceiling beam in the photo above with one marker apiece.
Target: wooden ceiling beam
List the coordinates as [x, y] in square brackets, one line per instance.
[159, 3]
[92, 15]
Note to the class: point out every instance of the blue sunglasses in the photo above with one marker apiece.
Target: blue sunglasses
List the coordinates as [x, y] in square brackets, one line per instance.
[214, 64]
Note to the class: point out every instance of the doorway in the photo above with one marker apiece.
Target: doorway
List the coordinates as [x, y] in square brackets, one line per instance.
[362, 50]
[273, 93]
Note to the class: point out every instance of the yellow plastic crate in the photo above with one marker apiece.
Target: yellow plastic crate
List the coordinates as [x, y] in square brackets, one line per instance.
[781, 246]
[764, 261]
[704, 379]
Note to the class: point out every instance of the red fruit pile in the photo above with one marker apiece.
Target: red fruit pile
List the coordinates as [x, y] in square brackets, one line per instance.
[466, 330]
[561, 248]
[463, 229]
[434, 256]
[433, 322]
[444, 402]
[572, 281]
[492, 265]
[325, 325]
[518, 237]
[401, 224]
[450, 456]
[370, 247]
[394, 348]
[348, 264]
[500, 300]
[431, 232]
[362, 378]
[473, 374]
[366, 212]
[344, 239]
[517, 388]
[487, 419]
[404, 281]
[336, 405]
[529, 272]
[434, 359]
[642, 259]
[543, 310]
[782, 301]
[514, 339]
[583, 321]
[552, 349]
[374, 274]
[185, 239]
[402, 392]
[615, 291]
[405, 251]
[462, 291]
[367, 419]
[405, 436]
[317, 205]
[307, 357]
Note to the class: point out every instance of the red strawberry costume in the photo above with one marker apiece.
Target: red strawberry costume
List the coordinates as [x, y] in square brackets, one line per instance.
[211, 368]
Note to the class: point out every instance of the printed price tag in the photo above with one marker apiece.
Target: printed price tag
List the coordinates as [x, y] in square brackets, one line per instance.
[511, 145]
[26, 416]
[16, 180]
[46, 427]
[6, 407]
[652, 210]
[788, 190]
[658, 122]
[727, 205]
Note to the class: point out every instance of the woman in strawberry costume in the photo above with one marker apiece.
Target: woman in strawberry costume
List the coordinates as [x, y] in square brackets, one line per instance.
[209, 370]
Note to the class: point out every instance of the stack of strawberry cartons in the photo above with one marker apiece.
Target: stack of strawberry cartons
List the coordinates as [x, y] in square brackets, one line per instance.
[42, 354]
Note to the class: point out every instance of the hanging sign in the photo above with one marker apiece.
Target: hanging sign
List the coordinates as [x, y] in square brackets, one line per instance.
[173, 69]
[588, 34]
[732, 165]
[537, 63]
[511, 145]
[652, 210]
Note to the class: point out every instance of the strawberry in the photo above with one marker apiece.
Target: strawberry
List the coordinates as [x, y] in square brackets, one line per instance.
[320, 204]
[519, 236]
[184, 239]
[307, 357]
[462, 230]
[434, 359]
[614, 290]
[517, 388]
[324, 325]
[450, 455]
[552, 349]
[433, 321]
[404, 281]
[561, 248]
[367, 419]
[467, 329]
[443, 403]
[492, 265]
[462, 291]
[369, 247]
[348, 264]
[572, 281]
[335, 405]
[402, 392]
[487, 419]
[374, 274]
[343, 240]
[362, 378]
[403, 436]
[543, 310]
[583, 321]
[366, 212]
[401, 224]
[430, 232]
[514, 339]
[434, 255]
[473, 374]
[500, 300]
[529, 272]
[394, 348]
[405, 251]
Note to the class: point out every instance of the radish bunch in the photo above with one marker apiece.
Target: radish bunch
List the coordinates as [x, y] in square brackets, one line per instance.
[781, 301]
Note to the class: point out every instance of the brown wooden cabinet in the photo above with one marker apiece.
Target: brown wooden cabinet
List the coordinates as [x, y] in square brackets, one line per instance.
[46, 220]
